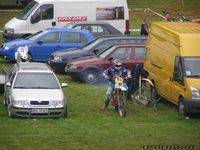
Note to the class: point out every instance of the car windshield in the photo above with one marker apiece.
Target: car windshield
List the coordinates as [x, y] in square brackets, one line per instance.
[36, 81]
[89, 45]
[36, 35]
[191, 66]
[27, 10]
[106, 52]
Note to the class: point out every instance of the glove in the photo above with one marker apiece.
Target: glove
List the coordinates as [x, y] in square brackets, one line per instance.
[105, 76]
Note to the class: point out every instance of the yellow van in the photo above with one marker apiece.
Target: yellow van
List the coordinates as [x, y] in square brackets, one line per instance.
[173, 63]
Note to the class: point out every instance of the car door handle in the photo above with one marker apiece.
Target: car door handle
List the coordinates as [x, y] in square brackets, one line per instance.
[58, 46]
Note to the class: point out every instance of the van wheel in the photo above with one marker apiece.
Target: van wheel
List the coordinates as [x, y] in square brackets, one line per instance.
[90, 76]
[154, 96]
[181, 108]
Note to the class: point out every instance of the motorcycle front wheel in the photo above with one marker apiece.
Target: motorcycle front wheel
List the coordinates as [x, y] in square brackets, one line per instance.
[122, 103]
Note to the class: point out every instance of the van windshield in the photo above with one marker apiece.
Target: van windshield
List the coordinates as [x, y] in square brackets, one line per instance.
[27, 10]
[191, 66]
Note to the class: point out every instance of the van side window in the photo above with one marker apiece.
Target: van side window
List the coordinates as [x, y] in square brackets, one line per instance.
[178, 69]
[45, 12]
[51, 38]
[74, 38]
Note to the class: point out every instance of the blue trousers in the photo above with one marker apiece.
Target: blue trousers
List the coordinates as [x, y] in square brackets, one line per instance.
[110, 89]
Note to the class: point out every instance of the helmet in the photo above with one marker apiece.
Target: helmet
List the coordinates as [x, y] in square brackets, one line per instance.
[117, 64]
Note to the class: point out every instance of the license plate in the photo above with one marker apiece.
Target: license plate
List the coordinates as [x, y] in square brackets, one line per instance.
[40, 110]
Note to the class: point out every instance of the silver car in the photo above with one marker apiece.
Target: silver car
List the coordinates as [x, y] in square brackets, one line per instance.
[33, 90]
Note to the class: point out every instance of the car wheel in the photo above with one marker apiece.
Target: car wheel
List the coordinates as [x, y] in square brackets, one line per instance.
[65, 115]
[181, 108]
[4, 101]
[90, 76]
[29, 57]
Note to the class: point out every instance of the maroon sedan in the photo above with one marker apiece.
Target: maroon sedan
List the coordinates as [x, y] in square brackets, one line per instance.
[89, 69]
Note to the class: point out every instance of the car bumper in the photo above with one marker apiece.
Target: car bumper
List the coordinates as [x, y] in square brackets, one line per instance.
[58, 66]
[28, 112]
[74, 74]
[192, 106]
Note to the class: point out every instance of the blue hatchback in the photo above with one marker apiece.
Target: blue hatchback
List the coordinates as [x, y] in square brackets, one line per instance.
[45, 42]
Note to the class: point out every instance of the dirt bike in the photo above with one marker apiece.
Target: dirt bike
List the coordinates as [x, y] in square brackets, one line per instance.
[145, 94]
[118, 100]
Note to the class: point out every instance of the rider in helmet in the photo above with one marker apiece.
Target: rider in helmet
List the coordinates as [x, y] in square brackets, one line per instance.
[110, 74]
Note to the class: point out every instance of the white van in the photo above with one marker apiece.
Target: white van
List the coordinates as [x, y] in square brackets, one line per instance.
[41, 14]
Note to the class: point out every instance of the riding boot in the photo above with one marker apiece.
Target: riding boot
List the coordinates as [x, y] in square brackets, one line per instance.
[105, 105]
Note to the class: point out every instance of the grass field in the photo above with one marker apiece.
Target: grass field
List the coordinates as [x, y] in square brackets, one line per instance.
[89, 128]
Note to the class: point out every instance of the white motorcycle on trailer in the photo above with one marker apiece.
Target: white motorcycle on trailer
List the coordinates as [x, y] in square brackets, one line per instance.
[22, 55]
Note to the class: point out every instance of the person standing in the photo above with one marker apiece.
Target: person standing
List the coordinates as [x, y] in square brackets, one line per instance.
[168, 17]
[144, 28]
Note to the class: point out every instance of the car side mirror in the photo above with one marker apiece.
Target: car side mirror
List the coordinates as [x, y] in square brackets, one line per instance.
[176, 77]
[64, 85]
[95, 51]
[35, 19]
[2, 79]
[40, 42]
[8, 84]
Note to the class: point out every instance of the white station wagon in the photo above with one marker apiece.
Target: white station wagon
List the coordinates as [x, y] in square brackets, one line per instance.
[33, 90]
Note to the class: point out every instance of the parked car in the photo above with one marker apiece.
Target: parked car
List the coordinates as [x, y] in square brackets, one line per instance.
[33, 90]
[90, 69]
[59, 59]
[96, 28]
[44, 42]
